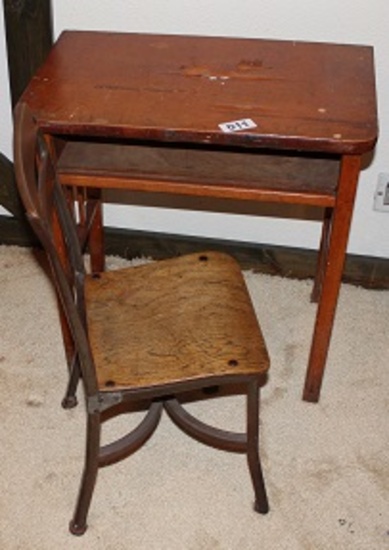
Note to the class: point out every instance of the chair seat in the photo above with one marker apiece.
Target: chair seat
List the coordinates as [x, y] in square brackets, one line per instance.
[178, 320]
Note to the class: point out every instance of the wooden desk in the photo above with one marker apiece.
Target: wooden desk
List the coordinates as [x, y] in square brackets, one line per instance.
[146, 112]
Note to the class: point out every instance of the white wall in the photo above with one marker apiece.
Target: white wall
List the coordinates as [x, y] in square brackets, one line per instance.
[348, 21]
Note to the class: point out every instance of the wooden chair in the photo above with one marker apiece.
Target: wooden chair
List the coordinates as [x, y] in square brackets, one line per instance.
[152, 332]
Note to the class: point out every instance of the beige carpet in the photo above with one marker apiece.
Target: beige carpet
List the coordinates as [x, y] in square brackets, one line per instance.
[326, 465]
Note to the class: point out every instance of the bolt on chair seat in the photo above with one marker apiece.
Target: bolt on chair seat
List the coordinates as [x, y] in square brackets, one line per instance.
[148, 333]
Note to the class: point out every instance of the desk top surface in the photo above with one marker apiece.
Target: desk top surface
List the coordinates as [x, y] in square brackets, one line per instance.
[288, 95]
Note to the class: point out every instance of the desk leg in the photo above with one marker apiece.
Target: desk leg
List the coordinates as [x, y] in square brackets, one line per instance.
[87, 208]
[96, 233]
[334, 262]
[322, 256]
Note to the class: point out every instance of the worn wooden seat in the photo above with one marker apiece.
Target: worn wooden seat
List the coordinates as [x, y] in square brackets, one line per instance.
[188, 317]
[149, 333]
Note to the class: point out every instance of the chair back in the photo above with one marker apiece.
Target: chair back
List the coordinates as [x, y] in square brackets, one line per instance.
[51, 217]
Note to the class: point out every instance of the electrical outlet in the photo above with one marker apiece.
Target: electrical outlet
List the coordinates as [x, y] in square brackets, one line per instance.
[381, 196]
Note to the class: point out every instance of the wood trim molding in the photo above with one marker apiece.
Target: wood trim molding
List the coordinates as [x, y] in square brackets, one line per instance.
[28, 29]
[29, 35]
[368, 272]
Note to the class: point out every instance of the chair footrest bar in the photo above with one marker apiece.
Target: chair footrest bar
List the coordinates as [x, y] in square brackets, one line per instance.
[119, 449]
[214, 437]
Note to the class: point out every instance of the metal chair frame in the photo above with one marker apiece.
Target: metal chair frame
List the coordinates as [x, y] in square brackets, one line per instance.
[51, 217]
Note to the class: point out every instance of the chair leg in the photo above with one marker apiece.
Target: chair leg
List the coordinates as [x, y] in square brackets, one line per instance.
[70, 399]
[78, 524]
[261, 502]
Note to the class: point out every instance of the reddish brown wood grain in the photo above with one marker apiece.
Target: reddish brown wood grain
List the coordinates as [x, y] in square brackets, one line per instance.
[306, 96]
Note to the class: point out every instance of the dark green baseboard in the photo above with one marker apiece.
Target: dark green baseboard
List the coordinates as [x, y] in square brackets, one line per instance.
[369, 272]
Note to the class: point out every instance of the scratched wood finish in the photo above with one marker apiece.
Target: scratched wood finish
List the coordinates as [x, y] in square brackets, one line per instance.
[187, 318]
[302, 96]
[228, 173]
